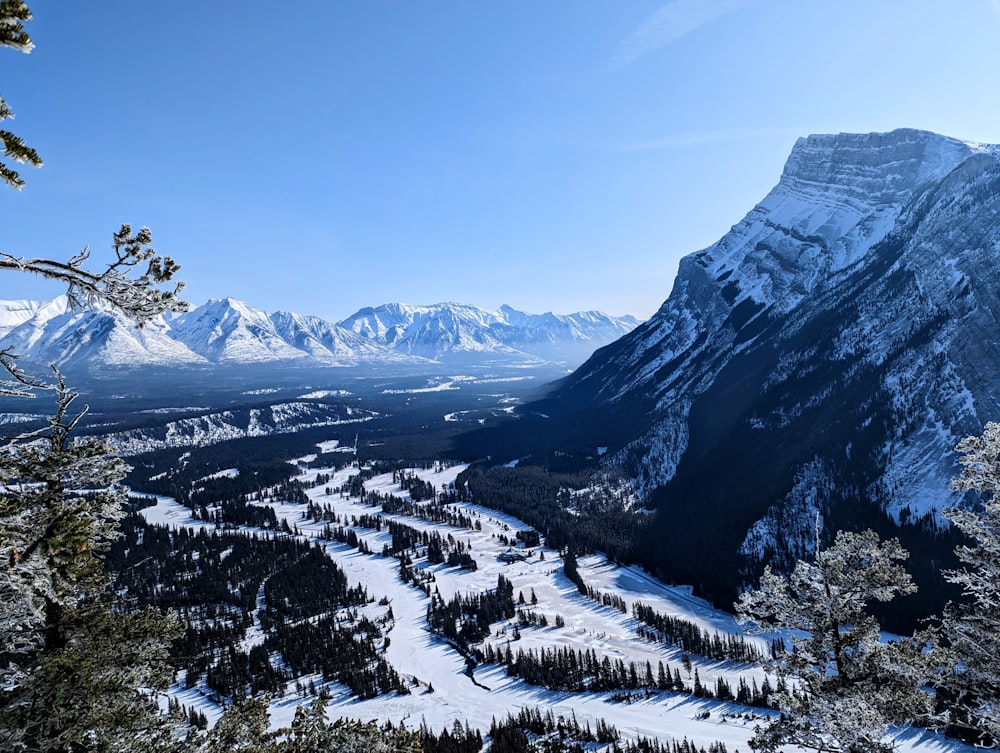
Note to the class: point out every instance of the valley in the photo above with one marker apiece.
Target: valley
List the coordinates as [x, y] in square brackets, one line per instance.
[391, 495]
[442, 687]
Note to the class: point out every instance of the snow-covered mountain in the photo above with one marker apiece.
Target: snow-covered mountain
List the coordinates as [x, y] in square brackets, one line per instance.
[15, 313]
[446, 331]
[229, 332]
[824, 356]
[50, 333]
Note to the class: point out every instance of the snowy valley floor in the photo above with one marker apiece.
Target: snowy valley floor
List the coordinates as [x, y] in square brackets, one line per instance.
[417, 653]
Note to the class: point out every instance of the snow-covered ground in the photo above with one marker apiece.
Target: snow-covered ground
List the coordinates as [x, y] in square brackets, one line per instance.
[433, 386]
[416, 653]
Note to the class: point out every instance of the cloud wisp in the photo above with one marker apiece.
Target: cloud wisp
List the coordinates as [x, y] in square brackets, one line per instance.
[671, 22]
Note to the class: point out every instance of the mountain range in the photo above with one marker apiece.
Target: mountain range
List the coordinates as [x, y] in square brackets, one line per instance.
[228, 332]
[454, 329]
[820, 361]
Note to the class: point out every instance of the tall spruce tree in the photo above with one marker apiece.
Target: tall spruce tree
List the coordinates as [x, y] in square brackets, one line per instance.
[847, 686]
[78, 668]
[970, 631]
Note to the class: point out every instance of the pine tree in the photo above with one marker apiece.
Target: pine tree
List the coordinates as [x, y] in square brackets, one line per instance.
[77, 668]
[850, 686]
[971, 629]
[244, 728]
[312, 733]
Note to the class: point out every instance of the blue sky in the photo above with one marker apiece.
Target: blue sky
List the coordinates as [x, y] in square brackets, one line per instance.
[323, 156]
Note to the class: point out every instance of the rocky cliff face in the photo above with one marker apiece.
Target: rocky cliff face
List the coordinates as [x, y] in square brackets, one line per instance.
[823, 357]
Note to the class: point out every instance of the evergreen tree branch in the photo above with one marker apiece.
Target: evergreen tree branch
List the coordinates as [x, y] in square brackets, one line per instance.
[140, 297]
[13, 15]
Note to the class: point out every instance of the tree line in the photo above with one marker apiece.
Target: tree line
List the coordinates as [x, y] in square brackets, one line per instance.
[583, 671]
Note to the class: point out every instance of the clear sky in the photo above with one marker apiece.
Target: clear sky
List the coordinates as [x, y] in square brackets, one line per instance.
[321, 156]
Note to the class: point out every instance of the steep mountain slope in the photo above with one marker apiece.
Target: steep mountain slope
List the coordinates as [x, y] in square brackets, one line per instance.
[331, 344]
[15, 313]
[569, 334]
[451, 331]
[822, 357]
[432, 331]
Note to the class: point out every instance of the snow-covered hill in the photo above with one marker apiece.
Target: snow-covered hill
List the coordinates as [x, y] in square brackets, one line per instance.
[824, 356]
[229, 332]
[200, 428]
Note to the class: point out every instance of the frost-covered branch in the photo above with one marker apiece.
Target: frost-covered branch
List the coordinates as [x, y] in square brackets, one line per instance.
[979, 459]
[76, 673]
[21, 384]
[135, 282]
